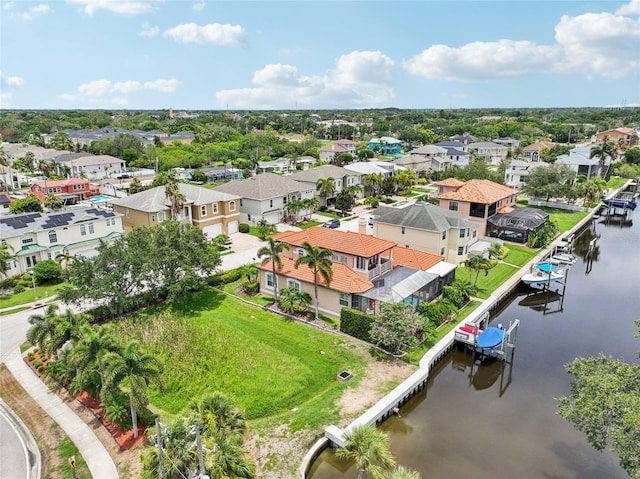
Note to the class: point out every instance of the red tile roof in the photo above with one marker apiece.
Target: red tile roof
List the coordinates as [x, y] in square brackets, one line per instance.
[450, 182]
[412, 258]
[347, 242]
[479, 191]
[538, 146]
[61, 183]
[344, 279]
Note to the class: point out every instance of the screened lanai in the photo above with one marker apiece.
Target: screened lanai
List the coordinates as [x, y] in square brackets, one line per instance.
[516, 224]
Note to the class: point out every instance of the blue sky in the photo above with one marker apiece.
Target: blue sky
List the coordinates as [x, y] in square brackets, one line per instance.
[230, 55]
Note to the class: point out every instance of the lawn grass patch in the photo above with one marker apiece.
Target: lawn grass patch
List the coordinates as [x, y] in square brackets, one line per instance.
[28, 296]
[308, 224]
[267, 364]
[487, 284]
[520, 255]
[258, 300]
[14, 310]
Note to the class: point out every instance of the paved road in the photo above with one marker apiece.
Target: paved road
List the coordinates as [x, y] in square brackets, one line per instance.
[14, 452]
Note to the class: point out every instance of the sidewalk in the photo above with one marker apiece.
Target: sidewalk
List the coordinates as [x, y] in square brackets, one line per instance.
[93, 452]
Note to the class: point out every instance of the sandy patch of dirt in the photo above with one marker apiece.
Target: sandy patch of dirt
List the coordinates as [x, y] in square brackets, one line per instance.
[283, 451]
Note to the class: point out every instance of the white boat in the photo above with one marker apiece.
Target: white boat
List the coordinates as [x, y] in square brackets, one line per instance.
[563, 258]
[538, 276]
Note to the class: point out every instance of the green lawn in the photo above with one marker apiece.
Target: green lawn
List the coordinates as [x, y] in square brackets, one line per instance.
[308, 224]
[267, 364]
[519, 255]
[487, 284]
[28, 296]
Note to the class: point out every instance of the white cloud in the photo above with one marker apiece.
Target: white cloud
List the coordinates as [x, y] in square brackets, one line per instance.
[8, 5]
[600, 43]
[28, 14]
[7, 83]
[100, 88]
[632, 8]
[10, 81]
[360, 79]
[215, 33]
[199, 6]
[482, 60]
[149, 31]
[116, 6]
[603, 44]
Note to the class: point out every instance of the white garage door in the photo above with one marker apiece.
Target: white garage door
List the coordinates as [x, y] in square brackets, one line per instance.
[88, 253]
[233, 227]
[212, 231]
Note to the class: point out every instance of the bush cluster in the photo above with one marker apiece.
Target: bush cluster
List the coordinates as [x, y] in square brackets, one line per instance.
[356, 323]
[244, 228]
[225, 277]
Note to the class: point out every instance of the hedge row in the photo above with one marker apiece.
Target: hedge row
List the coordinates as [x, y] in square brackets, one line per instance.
[356, 323]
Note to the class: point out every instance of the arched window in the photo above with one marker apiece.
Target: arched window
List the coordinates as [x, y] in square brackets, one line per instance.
[53, 236]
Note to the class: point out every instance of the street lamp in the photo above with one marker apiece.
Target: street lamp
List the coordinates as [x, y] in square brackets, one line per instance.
[35, 291]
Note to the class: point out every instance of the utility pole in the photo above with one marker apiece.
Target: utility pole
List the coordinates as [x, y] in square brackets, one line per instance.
[160, 452]
[199, 445]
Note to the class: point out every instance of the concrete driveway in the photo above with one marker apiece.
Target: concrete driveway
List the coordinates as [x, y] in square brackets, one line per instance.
[245, 248]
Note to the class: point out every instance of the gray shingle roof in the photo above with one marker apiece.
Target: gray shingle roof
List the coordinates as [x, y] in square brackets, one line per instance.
[263, 187]
[325, 171]
[154, 199]
[423, 216]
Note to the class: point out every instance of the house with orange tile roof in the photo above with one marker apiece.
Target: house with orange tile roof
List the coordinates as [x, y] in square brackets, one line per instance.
[624, 137]
[69, 191]
[532, 152]
[478, 200]
[367, 271]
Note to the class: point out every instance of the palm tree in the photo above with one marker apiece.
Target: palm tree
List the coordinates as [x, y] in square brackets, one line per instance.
[139, 369]
[272, 251]
[310, 205]
[401, 473]
[43, 328]
[169, 180]
[368, 447]
[89, 353]
[319, 262]
[373, 181]
[293, 300]
[5, 257]
[326, 187]
[230, 459]
[602, 151]
[217, 412]
[292, 208]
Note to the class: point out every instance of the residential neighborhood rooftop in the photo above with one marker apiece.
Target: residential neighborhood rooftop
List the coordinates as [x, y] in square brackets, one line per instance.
[263, 186]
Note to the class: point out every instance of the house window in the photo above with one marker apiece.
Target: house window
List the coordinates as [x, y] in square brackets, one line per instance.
[31, 261]
[361, 263]
[27, 240]
[111, 221]
[161, 216]
[474, 233]
[460, 250]
[270, 282]
[442, 252]
[293, 284]
[453, 205]
[203, 210]
[344, 299]
[215, 207]
[300, 252]
[232, 205]
[153, 219]
[91, 230]
[248, 217]
[343, 259]
[462, 233]
[83, 230]
[402, 229]
[53, 236]
[444, 235]
[271, 203]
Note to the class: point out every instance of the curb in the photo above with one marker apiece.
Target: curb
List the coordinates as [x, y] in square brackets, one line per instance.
[34, 460]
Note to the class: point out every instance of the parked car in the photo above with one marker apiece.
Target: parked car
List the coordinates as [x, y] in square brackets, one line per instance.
[333, 224]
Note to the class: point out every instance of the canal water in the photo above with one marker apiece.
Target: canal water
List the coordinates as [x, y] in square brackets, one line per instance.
[500, 420]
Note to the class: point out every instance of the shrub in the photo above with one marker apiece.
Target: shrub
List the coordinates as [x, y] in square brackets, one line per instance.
[453, 295]
[244, 228]
[226, 277]
[251, 287]
[356, 323]
[19, 289]
[47, 271]
[26, 277]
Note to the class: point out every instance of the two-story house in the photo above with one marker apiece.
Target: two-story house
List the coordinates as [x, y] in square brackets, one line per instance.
[517, 174]
[213, 211]
[476, 199]
[265, 196]
[455, 152]
[69, 191]
[337, 147]
[96, 167]
[342, 177]
[579, 160]
[425, 158]
[386, 145]
[532, 152]
[488, 151]
[34, 237]
[624, 137]
[367, 271]
[427, 228]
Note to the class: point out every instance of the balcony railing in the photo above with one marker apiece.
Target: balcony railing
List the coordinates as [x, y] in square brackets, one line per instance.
[380, 269]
